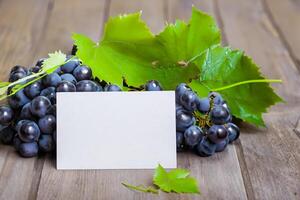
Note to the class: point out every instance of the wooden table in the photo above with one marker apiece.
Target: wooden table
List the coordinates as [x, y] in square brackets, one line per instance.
[263, 164]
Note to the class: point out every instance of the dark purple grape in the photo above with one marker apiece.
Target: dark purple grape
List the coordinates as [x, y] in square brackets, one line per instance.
[19, 68]
[7, 135]
[217, 97]
[51, 80]
[47, 124]
[68, 77]
[16, 76]
[33, 90]
[112, 88]
[39, 106]
[26, 112]
[66, 86]
[82, 72]
[193, 135]
[18, 100]
[205, 148]
[219, 115]
[184, 119]
[189, 100]
[39, 63]
[222, 145]
[19, 124]
[88, 86]
[153, 86]
[46, 143]
[52, 110]
[29, 132]
[180, 89]
[17, 142]
[35, 69]
[70, 66]
[6, 115]
[50, 93]
[217, 133]
[233, 131]
[203, 105]
[28, 150]
[179, 141]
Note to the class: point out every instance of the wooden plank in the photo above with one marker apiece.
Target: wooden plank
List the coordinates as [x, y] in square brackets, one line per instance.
[285, 15]
[225, 164]
[272, 155]
[20, 34]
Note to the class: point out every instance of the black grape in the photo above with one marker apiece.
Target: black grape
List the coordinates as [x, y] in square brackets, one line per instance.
[205, 148]
[50, 93]
[179, 141]
[66, 86]
[88, 86]
[46, 143]
[189, 100]
[29, 132]
[219, 115]
[222, 145]
[40, 106]
[203, 105]
[68, 77]
[47, 124]
[112, 88]
[193, 135]
[26, 112]
[6, 115]
[217, 133]
[82, 72]
[34, 89]
[7, 135]
[18, 100]
[51, 80]
[153, 86]
[70, 66]
[233, 131]
[28, 150]
[180, 89]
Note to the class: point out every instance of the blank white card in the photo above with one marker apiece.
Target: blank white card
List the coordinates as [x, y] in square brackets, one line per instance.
[116, 130]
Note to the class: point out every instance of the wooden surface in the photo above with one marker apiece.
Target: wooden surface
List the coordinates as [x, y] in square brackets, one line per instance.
[262, 164]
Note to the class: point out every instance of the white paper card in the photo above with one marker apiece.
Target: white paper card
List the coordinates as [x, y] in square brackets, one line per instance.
[116, 130]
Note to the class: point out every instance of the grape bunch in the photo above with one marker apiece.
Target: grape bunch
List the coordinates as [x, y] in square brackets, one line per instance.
[29, 120]
[203, 124]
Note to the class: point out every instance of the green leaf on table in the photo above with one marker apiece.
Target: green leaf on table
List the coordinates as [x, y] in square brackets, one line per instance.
[221, 66]
[128, 50]
[177, 180]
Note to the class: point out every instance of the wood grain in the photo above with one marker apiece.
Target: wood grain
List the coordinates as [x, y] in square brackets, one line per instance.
[285, 16]
[20, 34]
[272, 155]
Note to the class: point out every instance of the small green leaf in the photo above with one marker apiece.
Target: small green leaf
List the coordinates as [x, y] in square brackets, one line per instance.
[54, 60]
[177, 180]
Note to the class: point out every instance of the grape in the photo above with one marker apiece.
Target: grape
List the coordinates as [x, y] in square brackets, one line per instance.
[52, 110]
[203, 105]
[189, 100]
[17, 142]
[7, 135]
[225, 105]
[29, 131]
[184, 120]
[33, 90]
[50, 93]
[26, 112]
[217, 97]
[18, 100]
[205, 148]
[66, 86]
[219, 115]
[19, 124]
[54, 136]
[112, 88]
[217, 133]
[28, 150]
[46, 143]
[180, 89]
[39, 63]
[47, 124]
[16, 76]
[51, 80]
[233, 131]
[70, 66]
[68, 77]
[222, 145]
[35, 69]
[87, 86]
[19, 68]
[179, 141]
[6, 115]
[40, 105]
[153, 86]
[82, 72]
[193, 135]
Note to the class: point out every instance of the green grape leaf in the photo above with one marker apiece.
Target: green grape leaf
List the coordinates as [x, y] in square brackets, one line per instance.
[54, 60]
[128, 50]
[177, 180]
[221, 66]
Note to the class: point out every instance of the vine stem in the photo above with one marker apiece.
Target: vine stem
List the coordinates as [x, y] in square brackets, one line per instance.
[141, 188]
[247, 82]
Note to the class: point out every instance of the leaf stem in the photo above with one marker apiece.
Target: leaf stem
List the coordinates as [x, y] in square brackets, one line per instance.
[247, 82]
[141, 188]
